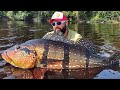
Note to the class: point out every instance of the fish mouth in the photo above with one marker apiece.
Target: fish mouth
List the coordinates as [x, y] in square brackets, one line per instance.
[7, 58]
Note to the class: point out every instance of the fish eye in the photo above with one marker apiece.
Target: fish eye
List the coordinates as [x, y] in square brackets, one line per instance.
[17, 47]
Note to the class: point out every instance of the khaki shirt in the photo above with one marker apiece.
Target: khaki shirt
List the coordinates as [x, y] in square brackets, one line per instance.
[72, 35]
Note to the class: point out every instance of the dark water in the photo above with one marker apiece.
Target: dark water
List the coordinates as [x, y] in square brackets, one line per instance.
[107, 35]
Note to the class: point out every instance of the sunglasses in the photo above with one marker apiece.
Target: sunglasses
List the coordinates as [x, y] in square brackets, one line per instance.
[57, 23]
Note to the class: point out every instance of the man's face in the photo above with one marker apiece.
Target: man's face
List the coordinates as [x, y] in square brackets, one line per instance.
[59, 26]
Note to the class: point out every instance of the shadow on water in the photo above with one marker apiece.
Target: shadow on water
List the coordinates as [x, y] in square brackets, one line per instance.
[19, 32]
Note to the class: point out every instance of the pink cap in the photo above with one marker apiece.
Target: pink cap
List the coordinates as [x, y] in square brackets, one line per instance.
[58, 16]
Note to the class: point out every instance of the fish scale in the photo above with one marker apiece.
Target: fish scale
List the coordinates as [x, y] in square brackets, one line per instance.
[94, 49]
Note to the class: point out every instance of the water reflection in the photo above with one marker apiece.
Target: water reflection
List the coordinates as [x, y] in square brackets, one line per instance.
[12, 33]
[16, 33]
[11, 72]
[17, 73]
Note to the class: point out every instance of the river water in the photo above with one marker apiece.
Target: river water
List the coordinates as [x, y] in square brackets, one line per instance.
[12, 33]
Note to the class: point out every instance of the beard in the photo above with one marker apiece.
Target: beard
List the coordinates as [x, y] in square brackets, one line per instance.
[60, 31]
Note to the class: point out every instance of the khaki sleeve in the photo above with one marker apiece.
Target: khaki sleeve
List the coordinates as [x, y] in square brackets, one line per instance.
[77, 37]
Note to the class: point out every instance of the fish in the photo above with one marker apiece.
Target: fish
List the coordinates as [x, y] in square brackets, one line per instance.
[51, 54]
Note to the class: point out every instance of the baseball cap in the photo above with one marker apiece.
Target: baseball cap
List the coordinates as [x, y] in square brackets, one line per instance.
[58, 16]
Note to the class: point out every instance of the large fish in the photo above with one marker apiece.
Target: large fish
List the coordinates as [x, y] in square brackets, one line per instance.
[55, 55]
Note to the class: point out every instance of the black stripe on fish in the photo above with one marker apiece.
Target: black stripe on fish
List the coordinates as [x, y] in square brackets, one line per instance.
[45, 53]
[87, 54]
[26, 50]
[65, 62]
[66, 56]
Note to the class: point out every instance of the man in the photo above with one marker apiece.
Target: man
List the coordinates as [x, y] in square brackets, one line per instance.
[59, 23]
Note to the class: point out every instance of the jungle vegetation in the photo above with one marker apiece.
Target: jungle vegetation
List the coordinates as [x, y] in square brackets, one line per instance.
[73, 16]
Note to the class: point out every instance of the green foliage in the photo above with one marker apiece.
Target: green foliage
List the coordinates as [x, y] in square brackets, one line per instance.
[10, 14]
[93, 16]
[2, 13]
[20, 15]
[106, 16]
[85, 15]
[17, 15]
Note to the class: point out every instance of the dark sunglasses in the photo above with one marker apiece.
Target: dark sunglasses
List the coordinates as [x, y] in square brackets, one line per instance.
[57, 23]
